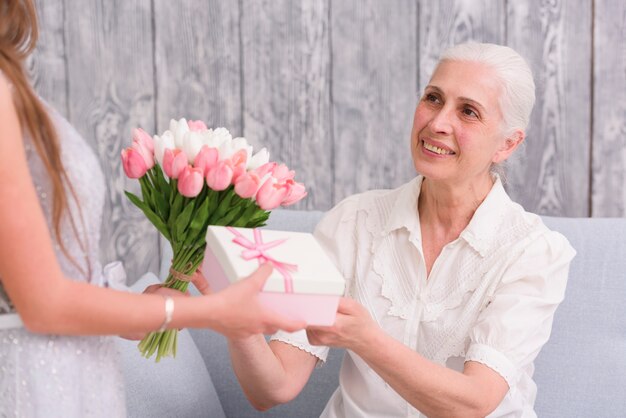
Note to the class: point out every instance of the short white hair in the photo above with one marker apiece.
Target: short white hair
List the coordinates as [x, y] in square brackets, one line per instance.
[518, 87]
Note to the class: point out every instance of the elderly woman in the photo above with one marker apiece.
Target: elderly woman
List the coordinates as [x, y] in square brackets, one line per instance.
[451, 286]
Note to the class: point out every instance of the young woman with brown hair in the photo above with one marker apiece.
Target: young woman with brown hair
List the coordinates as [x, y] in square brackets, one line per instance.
[53, 312]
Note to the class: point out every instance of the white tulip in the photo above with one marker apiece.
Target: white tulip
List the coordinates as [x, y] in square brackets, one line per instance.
[161, 143]
[260, 158]
[192, 142]
[219, 137]
[179, 134]
[227, 149]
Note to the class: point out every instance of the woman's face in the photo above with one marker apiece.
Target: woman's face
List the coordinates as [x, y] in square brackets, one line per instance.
[458, 129]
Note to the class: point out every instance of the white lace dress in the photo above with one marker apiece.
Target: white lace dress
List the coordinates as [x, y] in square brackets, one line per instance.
[61, 376]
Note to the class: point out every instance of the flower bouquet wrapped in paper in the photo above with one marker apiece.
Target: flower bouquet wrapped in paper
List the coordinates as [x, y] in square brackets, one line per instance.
[192, 177]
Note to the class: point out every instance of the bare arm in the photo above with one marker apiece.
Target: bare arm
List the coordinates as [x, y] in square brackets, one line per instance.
[48, 302]
[270, 374]
[431, 388]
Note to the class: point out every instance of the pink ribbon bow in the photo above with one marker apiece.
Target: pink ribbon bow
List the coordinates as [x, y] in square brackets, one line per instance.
[257, 250]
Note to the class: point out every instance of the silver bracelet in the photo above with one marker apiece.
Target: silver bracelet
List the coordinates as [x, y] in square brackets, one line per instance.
[169, 313]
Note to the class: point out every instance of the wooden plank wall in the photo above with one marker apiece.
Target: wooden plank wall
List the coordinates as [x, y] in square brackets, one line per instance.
[330, 86]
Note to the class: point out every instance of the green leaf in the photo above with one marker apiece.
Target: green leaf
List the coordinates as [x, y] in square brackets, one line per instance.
[258, 220]
[222, 207]
[152, 217]
[200, 216]
[249, 212]
[146, 192]
[135, 200]
[162, 205]
[175, 209]
[213, 198]
[163, 183]
[182, 221]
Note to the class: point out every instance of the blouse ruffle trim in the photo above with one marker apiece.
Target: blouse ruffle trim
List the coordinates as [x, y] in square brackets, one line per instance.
[320, 352]
[495, 360]
[438, 299]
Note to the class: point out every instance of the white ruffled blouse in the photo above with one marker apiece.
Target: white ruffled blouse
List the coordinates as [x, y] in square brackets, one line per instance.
[490, 297]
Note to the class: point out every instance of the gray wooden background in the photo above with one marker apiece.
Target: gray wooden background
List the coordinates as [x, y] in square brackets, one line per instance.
[330, 86]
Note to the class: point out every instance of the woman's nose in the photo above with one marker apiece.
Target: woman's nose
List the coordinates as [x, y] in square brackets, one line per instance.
[442, 121]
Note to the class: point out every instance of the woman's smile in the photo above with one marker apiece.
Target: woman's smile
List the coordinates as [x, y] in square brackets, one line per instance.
[436, 149]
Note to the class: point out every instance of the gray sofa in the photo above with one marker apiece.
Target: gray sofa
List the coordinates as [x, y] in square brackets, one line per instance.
[581, 372]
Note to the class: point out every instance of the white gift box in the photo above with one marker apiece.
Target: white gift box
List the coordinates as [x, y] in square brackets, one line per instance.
[304, 284]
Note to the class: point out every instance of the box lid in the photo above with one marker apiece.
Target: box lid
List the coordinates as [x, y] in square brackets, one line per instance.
[315, 272]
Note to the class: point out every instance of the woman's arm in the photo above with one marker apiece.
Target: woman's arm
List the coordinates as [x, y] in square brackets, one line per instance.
[431, 388]
[50, 303]
[270, 374]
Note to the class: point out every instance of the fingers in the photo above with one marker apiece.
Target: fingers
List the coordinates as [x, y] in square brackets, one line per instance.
[293, 325]
[278, 321]
[259, 277]
[134, 336]
[201, 283]
[316, 337]
[311, 335]
[152, 288]
[346, 305]
[166, 291]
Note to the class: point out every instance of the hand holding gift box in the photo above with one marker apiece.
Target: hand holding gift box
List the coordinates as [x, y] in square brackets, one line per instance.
[304, 285]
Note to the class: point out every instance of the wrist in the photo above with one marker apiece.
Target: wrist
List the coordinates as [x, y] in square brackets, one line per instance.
[210, 309]
[169, 307]
[370, 341]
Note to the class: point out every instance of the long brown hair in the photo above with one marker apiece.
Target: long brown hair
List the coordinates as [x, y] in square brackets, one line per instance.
[18, 37]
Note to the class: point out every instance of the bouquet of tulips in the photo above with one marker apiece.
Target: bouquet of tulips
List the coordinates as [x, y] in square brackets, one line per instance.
[191, 177]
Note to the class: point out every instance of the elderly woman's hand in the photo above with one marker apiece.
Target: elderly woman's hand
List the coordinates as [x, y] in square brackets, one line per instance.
[353, 328]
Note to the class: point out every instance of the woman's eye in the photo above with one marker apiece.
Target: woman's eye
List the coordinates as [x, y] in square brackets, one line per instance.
[429, 97]
[468, 111]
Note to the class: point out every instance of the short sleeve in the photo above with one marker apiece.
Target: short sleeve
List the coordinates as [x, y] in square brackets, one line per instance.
[517, 322]
[299, 339]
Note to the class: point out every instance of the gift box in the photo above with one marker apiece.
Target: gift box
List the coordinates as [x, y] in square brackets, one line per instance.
[305, 284]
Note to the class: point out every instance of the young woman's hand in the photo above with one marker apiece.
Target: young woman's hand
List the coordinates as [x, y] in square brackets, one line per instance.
[239, 311]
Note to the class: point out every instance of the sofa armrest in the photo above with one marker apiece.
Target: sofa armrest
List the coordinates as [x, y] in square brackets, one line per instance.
[174, 387]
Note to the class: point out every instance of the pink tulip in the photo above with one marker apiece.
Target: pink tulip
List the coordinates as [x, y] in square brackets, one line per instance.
[134, 164]
[174, 162]
[239, 161]
[247, 185]
[265, 169]
[206, 159]
[219, 177]
[282, 173]
[143, 138]
[190, 181]
[270, 195]
[144, 151]
[296, 192]
[196, 125]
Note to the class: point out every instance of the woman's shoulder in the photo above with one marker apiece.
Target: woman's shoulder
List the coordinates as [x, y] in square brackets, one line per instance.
[538, 234]
[6, 91]
[370, 207]
[371, 200]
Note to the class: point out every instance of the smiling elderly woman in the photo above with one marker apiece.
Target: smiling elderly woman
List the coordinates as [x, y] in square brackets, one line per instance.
[452, 287]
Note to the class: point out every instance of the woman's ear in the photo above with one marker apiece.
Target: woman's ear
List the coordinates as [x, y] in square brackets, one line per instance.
[509, 145]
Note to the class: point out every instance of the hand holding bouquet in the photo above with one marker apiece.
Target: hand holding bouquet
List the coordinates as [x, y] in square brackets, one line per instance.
[192, 177]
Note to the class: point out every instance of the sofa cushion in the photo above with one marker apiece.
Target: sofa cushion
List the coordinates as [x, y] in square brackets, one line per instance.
[581, 371]
[174, 387]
